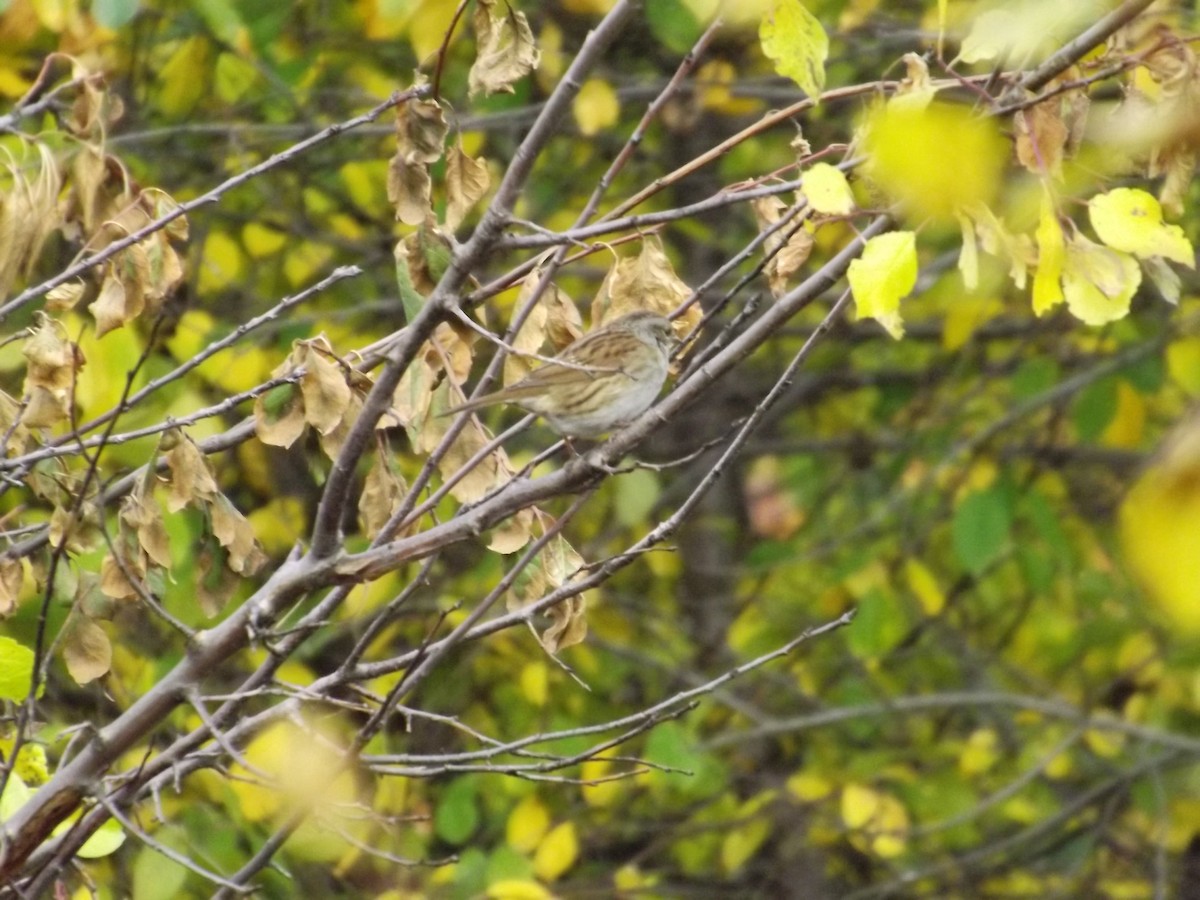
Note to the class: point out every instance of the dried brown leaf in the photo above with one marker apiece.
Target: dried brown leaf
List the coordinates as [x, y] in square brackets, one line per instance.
[65, 296]
[51, 359]
[114, 578]
[532, 334]
[421, 131]
[409, 189]
[383, 491]
[1041, 138]
[279, 415]
[331, 443]
[512, 534]
[192, 479]
[505, 49]
[467, 180]
[568, 624]
[646, 281]
[236, 535]
[87, 651]
[215, 582]
[141, 513]
[12, 576]
[326, 393]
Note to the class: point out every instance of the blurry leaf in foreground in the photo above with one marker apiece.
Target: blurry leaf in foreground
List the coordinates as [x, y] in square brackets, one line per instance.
[1160, 528]
[908, 149]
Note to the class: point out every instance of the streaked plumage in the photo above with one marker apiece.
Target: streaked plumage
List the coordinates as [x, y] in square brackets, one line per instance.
[621, 369]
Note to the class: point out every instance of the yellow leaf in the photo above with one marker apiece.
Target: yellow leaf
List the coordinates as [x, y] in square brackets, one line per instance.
[1098, 283]
[1131, 220]
[968, 257]
[1128, 423]
[827, 190]
[516, 889]
[262, 240]
[557, 853]
[808, 788]
[1047, 286]
[980, 753]
[909, 148]
[184, 77]
[1103, 742]
[221, 262]
[741, 843]
[1183, 362]
[1160, 518]
[923, 584]
[527, 824]
[884, 273]
[795, 42]
[596, 106]
[535, 682]
[602, 794]
[859, 805]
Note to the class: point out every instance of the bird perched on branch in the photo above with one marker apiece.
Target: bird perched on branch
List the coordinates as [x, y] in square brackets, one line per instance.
[605, 379]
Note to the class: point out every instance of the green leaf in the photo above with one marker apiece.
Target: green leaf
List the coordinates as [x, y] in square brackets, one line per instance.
[795, 42]
[109, 13]
[981, 526]
[222, 19]
[879, 624]
[1033, 377]
[673, 24]
[457, 814]
[104, 841]
[156, 877]
[1095, 408]
[636, 494]
[16, 669]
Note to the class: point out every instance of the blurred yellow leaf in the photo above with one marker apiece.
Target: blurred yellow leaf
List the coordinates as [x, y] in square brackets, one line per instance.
[535, 682]
[184, 77]
[596, 107]
[924, 586]
[1183, 362]
[795, 42]
[604, 793]
[808, 788]
[980, 753]
[908, 148]
[859, 805]
[556, 853]
[1159, 519]
[516, 889]
[884, 273]
[527, 824]
[262, 240]
[221, 262]
[1129, 421]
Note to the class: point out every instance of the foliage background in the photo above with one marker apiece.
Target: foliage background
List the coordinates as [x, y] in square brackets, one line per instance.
[1008, 714]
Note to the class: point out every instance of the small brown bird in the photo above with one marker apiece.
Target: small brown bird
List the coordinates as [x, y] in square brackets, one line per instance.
[613, 376]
